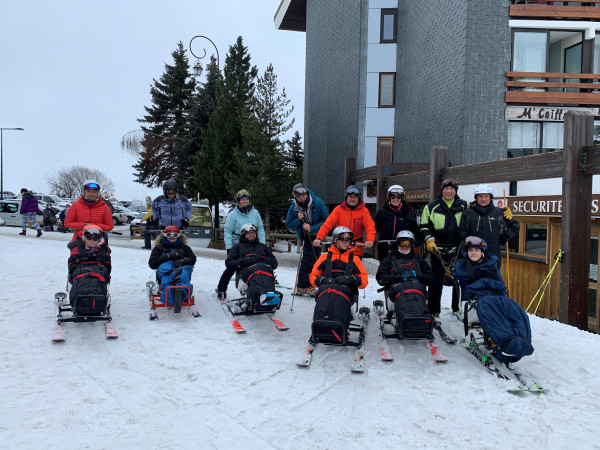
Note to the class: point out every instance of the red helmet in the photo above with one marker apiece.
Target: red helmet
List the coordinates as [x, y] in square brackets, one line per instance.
[172, 229]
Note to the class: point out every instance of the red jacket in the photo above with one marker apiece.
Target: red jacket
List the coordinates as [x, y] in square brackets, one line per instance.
[357, 220]
[339, 261]
[81, 213]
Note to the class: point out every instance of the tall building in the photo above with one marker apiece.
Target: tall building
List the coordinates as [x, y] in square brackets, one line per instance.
[486, 78]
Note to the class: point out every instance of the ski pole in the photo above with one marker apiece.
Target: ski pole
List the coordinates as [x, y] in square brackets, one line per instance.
[507, 256]
[297, 273]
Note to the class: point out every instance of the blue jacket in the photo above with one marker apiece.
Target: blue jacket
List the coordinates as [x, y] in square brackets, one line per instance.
[319, 214]
[486, 278]
[236, 219]
[171, 211]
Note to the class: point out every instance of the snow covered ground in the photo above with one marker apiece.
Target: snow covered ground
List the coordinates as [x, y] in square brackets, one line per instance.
[188, 383]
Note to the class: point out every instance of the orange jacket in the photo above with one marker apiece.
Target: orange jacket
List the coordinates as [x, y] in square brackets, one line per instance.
[81, 213]
[357, 220]
[342, 260]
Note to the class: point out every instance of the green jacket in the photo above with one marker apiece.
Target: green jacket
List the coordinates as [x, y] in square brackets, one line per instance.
[441, 222]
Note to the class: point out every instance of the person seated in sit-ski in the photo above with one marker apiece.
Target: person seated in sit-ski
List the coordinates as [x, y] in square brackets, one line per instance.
[89, 249]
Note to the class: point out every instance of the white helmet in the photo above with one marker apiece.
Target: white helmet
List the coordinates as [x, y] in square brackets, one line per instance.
[405, 234]
[484, 188]
[339, 231]
[247, 227]
[395, 189]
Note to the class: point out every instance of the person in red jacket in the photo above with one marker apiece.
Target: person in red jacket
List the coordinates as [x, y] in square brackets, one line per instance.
[353, 214]
[89, 208]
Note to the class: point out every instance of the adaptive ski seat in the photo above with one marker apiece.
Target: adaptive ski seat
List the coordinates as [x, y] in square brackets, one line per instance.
[257, 288]
[88, 293]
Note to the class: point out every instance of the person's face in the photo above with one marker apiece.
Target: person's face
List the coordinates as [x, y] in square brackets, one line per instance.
[352, 199]
[172, 237]
[342, 245]
[395, 199]
[244, 201]
[250, 235]
[474, 254]
[91, 194]
[483, 199]
[448, 193]
[148, 199]
[404, 246]
[301, 197]
[92, 239]
[171, 193]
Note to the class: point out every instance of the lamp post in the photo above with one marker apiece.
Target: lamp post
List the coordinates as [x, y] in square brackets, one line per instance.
[198, 67]
[1, 162]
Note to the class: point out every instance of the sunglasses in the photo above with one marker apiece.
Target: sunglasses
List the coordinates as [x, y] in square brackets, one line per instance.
[171, 191]
[474, 241]
[404, 244]
[396, 196]
[91, 187]
[172, 235]
[92, 237]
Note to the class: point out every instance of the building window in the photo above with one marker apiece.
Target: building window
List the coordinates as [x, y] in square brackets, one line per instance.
[385, 151]
[536, 239]
[529, 51]
[387, 90]
[389, 18]
[531, 138]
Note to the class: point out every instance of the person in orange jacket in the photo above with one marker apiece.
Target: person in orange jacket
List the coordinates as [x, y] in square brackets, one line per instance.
[89, 208]
[353, 214]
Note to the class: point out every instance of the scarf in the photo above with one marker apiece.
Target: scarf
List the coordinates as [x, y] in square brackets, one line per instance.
[305, 208]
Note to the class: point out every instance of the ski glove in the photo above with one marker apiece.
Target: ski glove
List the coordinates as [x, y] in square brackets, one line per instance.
[249, 260]
[349, 280]
[185, 223]
[320, 281]
[507, 213]
[178, 263]
[431, 247]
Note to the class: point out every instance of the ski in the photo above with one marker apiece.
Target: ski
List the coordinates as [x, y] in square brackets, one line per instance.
[234, 322]
[278, 323]
[358, 362]
[384, 348]
[307, 355]
[443, 335]
[435, 352]
[58, 333]
[110, 331]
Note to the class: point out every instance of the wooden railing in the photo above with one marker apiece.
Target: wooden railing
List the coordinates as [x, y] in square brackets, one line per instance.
[571, 89]
[583, 9]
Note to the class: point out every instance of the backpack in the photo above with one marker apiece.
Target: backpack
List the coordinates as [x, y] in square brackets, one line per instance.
[260, 280]
[89, 292]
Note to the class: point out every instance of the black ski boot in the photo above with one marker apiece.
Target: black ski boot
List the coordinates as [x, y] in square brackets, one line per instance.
[39, 233]
[23, 233]
[177, 297]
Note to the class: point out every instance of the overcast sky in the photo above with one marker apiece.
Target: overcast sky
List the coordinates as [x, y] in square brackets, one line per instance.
[76, 75]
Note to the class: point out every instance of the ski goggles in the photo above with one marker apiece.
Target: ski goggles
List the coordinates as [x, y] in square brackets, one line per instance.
[474, 241]
[345, 237]
[352, 191]
[92, 236]
[91, 187]
[170, 191]
[172, 235]
[450, 182]
[299, 192]
[404, 243]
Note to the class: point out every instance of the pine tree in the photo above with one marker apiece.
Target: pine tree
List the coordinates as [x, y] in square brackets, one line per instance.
[162, 156]
[224, 131]
[295, 157]
[260, 165]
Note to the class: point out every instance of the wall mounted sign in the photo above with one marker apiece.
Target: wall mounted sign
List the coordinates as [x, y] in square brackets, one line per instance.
[542, 113]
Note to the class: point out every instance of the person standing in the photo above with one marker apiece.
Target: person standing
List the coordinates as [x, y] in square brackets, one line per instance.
[243, 213]
[394, 216]
[439, 228]
[493, 224]
[305, 216]
[171, 208]
[353, 214]
[150, 225]
[61, 217]
[29, 209]
[89, 208]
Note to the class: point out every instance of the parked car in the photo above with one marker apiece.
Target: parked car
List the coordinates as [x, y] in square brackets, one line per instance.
[7, 195]
[125, 203]
[128, 213]
[201, 225]
[9, 212]
[118, 218]
[51, 198]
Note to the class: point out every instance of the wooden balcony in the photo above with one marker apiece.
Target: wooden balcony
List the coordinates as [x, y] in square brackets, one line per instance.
[579, 89]
[581, 10]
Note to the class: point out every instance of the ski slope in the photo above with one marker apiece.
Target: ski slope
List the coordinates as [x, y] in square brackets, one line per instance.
[188, 383]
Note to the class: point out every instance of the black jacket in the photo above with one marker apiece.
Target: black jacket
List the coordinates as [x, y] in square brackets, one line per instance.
[178, 252]
[387, 273]
[246, 253]
[388, 222]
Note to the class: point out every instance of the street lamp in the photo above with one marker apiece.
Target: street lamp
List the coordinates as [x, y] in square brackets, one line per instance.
[1, 164]
[198, 67]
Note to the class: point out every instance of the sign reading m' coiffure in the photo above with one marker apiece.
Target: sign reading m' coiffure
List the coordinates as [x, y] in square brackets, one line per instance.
[542, 113]
[547, 205]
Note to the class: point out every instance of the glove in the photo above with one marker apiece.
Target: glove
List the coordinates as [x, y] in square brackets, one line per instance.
[228, 250]
[348, 280]
[408, 275]
[319, 281]
[422, 278]
[178, 263]
[431, 247]
[176, 254]
[507, 213]
[185, 223]
[248, 261]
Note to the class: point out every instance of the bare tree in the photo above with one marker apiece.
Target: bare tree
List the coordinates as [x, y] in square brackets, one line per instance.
[69, 182]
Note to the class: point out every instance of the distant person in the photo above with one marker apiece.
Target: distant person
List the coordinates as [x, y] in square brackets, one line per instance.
[89, 208]
[353, 214]
[61, 217]
[394, 216]
[151, 225]
[493, 224]
[171, 208]
[29, 209]
[243, 213]
[49, 217]
[305, 216]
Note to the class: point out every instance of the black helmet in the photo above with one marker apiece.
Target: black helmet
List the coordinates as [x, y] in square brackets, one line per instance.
[353, 190]
[299, 189]
[170, 185]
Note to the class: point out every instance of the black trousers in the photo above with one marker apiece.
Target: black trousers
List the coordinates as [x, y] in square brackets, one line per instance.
[150, 234]
[310, 254]
[435, 290]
